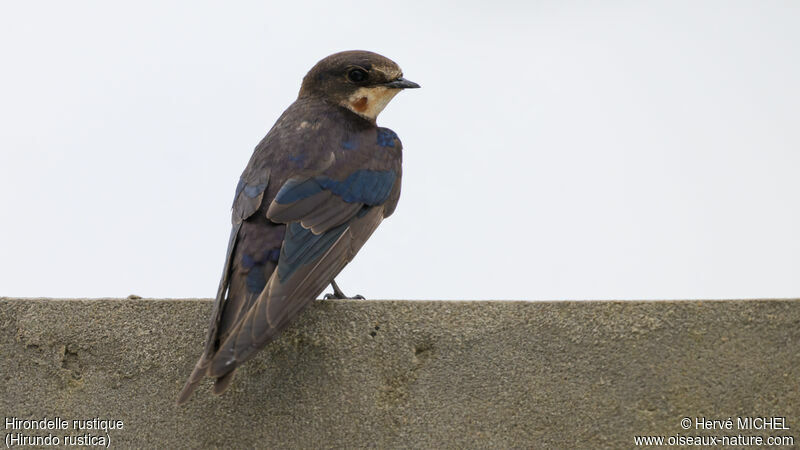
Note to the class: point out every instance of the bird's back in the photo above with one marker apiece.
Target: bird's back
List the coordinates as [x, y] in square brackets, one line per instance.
[312, 140]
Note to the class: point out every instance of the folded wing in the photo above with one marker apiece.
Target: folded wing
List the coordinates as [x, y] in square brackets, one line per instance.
[327, 221]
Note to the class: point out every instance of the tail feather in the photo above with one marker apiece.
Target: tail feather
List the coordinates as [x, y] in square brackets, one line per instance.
[222, 383]
[194, 380]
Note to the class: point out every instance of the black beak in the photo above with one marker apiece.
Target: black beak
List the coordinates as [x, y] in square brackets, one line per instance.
[401, 83]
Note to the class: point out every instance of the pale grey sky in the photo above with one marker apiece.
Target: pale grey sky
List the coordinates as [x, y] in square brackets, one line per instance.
[556, 150]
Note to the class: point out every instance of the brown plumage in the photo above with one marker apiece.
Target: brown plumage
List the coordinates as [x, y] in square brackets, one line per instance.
[316, 187]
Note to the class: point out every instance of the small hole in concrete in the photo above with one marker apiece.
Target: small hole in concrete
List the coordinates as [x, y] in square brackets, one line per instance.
[373, 334]
[71, 362]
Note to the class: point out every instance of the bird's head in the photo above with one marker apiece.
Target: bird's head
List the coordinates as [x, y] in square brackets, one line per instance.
[361, 81]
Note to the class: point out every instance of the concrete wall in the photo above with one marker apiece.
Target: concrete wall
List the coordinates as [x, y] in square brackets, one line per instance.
[393, 374]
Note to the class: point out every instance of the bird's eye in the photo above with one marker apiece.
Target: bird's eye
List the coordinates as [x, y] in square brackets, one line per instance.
[357, 75]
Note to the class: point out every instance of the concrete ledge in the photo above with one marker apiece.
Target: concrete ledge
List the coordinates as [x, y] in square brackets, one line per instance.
[400, 374]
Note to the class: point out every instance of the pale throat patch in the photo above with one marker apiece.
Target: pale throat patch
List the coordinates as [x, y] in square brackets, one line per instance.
[370, 101]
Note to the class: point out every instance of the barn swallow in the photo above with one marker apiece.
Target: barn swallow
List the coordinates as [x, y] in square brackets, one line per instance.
[316, 187]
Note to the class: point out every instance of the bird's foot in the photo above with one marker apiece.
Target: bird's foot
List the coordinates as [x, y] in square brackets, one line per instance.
[343, 297]
[339, 295]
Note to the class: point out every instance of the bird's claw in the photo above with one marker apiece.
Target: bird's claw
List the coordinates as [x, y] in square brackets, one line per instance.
[339, 295]
[343, 297]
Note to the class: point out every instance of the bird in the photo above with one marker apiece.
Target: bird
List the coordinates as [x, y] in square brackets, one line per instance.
[314, 190]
